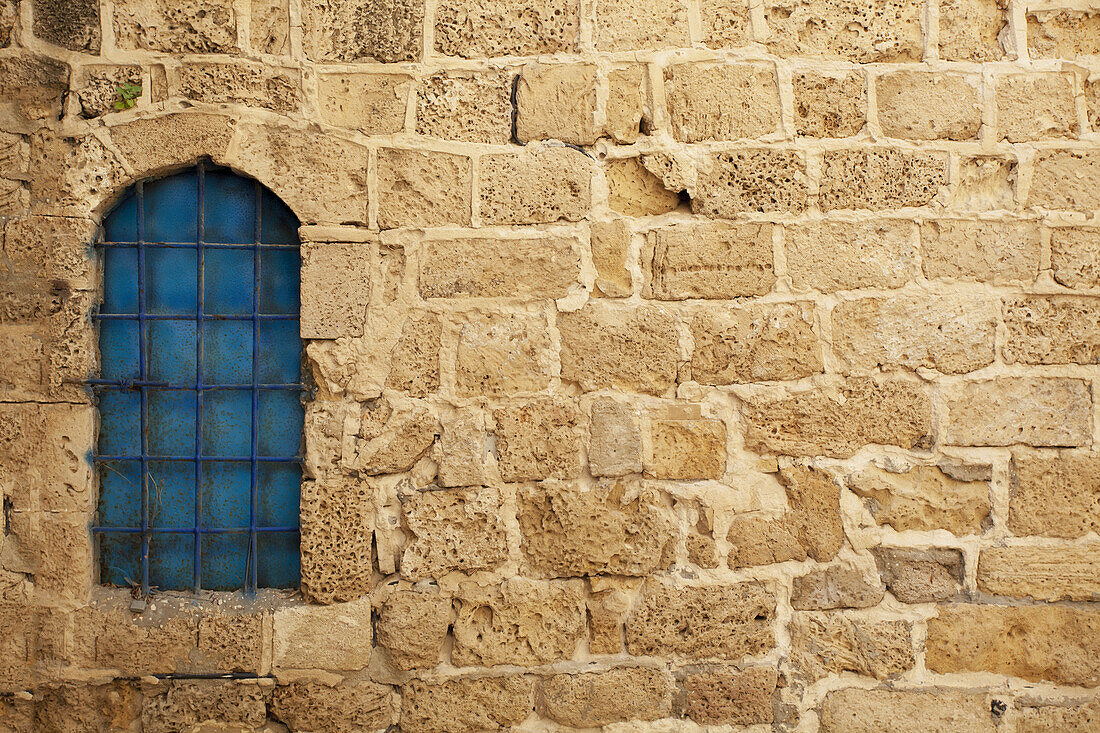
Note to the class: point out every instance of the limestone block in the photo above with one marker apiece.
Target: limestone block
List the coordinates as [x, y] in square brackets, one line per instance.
[9, 9]
[595, 699]
[1054, 494]
[883, 30]
[501, 354]
[1005, 411]
[1019, 119]
[97, 87]
[1066, 573]
[1092, 103]
[615, 440]
[970, 29]
[952, 334]
[986, 183]
[195, 26]
[33, 86]
[839, 255]
[721, 101]
[531, 268]
[837, 586]
[423, 189]
[730, 696]
[521, 622]
[70, 176]
[887, 711]
[73, 25]
[838, 422]
[635, 191]
[686, 449]
[612, 528]
[824, 644]
[1065, 179]
[42, 449]
[755, 344]
[764, 180]
[463, 450]
[414, 363]
[699, 622]
[413, 625]
[538, 438]
[1075, 256]
[114, 638]
[756, 540]
[383, 30]
[626, 103]
[337, 521]
[85, 707]
[610, 251]
[476, 29]
[372, 103]
[537, 185]
[625, 25]
[998, 252]
[726, 24]
[474, 703]
[234, 642]
[557, 102]
[1051, 330]
[453, 530]
[632, 349]
[336, 637]
[711, 260]
[609, 600]
[160, 144]
[1058, 644]
[1036, 718]
[920, 576]
[52, 548]
[237, 82]
[470, 106]
[1064, 34]
[829, 106]
[918, 105]
[269, 26]
[47, 334]
[336, 285]
[925, 498]
[346, 708]
[881, 178]
[186, 704]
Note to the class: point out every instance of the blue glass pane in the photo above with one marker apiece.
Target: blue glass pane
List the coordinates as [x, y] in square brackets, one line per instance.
[224, 561]
[172, 351]
[119, 423]
[171, 209]
[280, 352]
[227, 352]
[120, 559]
[279, 281]
[120, 268]
[279, 225]
[228, 281]
[230, 208]
[171, 422]
[171, 281]
[119, 349]
[279, 494]
[281, 417]
[172, 561]
[119, 493]
[172, 494]
[279, 559]
[226, 494]
[121, 225]
[227, 423]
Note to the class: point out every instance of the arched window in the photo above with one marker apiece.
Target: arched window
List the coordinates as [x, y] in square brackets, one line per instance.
[200, 413]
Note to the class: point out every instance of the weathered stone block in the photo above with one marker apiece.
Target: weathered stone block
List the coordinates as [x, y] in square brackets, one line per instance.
[686, 449]
[476, 703]
[536, 186]
[97, 87]
[234, 642]
[712, 260]
[557, 102]
[1005, 411]
[881, 178]
[538, 439]
[1066, 179]
[1075, 256]
[476, 29]
[986, 183]
[1072, 715]
[721, 101]
[269, 26]
[71, 176]
[336, 282]
[1092, 103]
[238, 82]
[920, 105]
[42, 449]
[594, 699]
[196, 26]
[764, 180]
[336, 637]
[920, 576]
[471, 106]
[347, 708]
[634, 191]
[463, 450]
[883, 30]
[114, 638]
[79, 707]
[610, 250]
[502, 354]
[160, 144]
[529, 268]
[626, 25]
[1052, 330]
[615, 441]
[838, 586]
[187, 704]
[926, 498]
[383, 30]
[824, 644]
[1064, 34]
[68, 23]
[1066, 573]
[626, 103]
[730, 696]
[839, 255]
[970, 29]
[725, 23]
[412, 625]
[826, 105]
[1054, 494]
[756, 344]
[414, 362]
[632, 349]
[888, 711]
[9, 9]
[337, 521]
[1019, 119]
[997, 252]
[423, 189]
[372, 103]
[33, 85]
[453, 530]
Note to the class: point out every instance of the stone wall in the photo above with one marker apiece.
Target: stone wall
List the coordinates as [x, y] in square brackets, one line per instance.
[678, 363]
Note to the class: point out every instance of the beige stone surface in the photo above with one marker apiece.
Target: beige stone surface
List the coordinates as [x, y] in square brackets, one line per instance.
[199, 26]
[1075, 256]
[920, 576]
[635, 191]
[503, 354]
[538, 438]
[1069, 33]
[99, 85]
[980, 251]
[187, 704]
[918, 105]
[465, 703]
[725, 23]
[986, 183]
[414, 361]
[881, 178]
[824, 644]
[412, 625]
[336, 637]
[452, 530]
[253, 85]
[1018, 117]
[970, 30]
[710, 260]
[756, 344]
[475, 28]
[1076, 715]
[423, 189]
[1066, 573]
[373, 103]
[151, 146]
[1005, 411]
[835, 255]
[471, 106]
[1056, 494]
[1092, 103]
[829, 106]
[625, 25]
[884, 30]
[721, 101]
[730, 696]
[530, 268]
[463, 450]
[626, 103]
[838, 586]
[1051, 330]
[557, 102]
[614, 440]
[610, 252]
[925, 498]
[386, 30]
[751, 180]
[33, 86]
[1066, 179]
[535, 186]
[629, 349]
[686, 449]
[889, 711]
[599, 698]
[234, 641]
[344, 708]
[339, 275]
[41, 467]
[269, 26]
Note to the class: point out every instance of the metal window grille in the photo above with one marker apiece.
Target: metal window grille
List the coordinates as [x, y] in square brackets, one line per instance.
[199, 448]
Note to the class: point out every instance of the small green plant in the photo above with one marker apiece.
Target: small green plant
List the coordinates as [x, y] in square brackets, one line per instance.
[127, 95]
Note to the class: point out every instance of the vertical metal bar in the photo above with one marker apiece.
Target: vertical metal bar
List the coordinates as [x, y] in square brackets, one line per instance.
[199, 297]
[143, 343]
[253, 559]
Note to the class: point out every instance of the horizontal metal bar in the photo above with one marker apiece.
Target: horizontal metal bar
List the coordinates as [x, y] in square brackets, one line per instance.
[218, 459]
[193, 245]
[193, 317]
[126, 384]
[192, 530]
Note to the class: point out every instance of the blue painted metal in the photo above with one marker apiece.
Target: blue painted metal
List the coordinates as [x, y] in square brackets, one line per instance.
[199, 452]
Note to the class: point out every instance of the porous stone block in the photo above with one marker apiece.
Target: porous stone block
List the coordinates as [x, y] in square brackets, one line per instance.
[1063, 34]
[626, 103]
[856, 710]
[336, 637]
[1058, 644]
[881, 178]
[1052, 330]
[986, 183]
[721, 101]
[382, 30]
[633, 349]
[85, 707]
[997, 252]
[9, 10]
[412, 625]
[920, 105]
[712, 260]
[1064, 573]
[615, 440]
[52, 548]
[537, 439]
[502, 354]
[472, 703]
[1019, 119]
[627, 25]
[920, 576]
[1071, 715]
[755, 344]
[1054, 494]
[423, 189]
[1075, 256]
[839, 421]
[463, 450]
[1066, 179]
[609, 600]
[634, 191]
[372, 103]
[42, 449]
[234, 642]
[610, 250]
[686, 449]
[196, 26]
[839, 255]
[837, 586]
[1006, 410]
[269, 26]
[345, 708]
[699, 622]
[336, 282]
[33, 86]
[531, 268]
[595, 699]
[952, 334]
[469, 106]
[156, 145]
[557, 102]
[452, 530]
[729, 696]
[879, 31]
[761, 180]
[521, 622]
[726, 24]
[396, 448]
[477, 29]
[615, 527]
[827, 105]
[113, 638]
[535, 186]
[97, 87]
[824, 644]
[70, 176]
[414, 361]
[926, 498]
[1092, 103]
[238, 82]
[72, 24]
[970, 29]
[187, 704]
